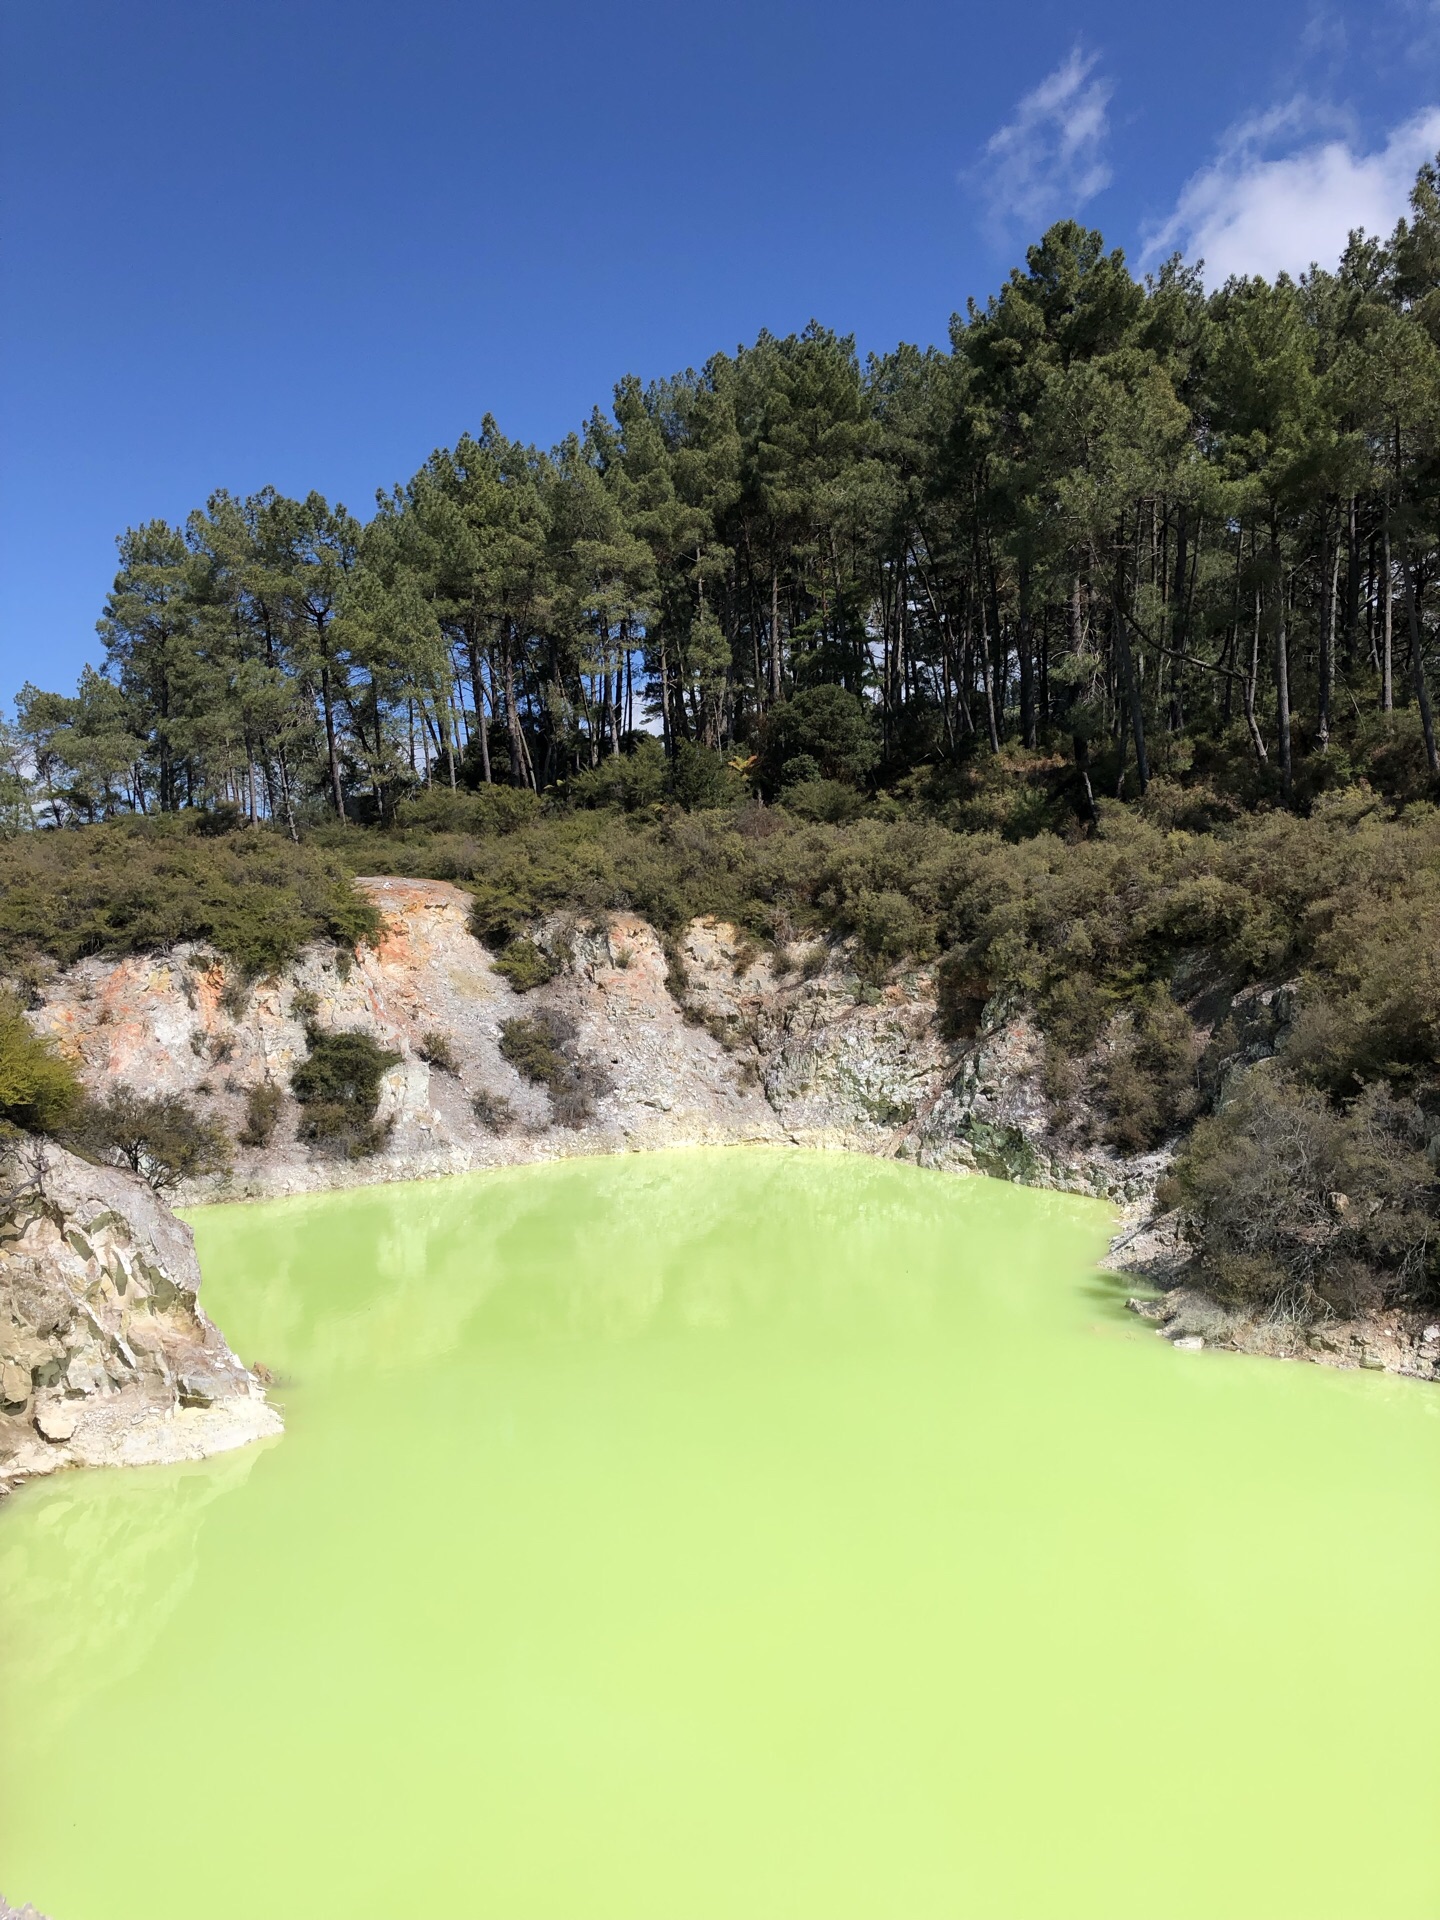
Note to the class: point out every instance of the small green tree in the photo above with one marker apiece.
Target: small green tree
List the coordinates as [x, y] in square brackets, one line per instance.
[826, 725]
[39, 1092]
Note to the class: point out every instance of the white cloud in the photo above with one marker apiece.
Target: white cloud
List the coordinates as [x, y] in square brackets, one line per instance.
[1049, 157]
[1257, 211]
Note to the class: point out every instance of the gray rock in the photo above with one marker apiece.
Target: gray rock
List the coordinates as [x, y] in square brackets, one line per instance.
[56, 1420]
[98, 1284]
[1188, 1343]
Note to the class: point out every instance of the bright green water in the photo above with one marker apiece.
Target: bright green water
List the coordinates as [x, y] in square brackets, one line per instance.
[747, 1536]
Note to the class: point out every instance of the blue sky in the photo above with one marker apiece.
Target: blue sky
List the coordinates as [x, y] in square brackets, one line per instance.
[302, 242]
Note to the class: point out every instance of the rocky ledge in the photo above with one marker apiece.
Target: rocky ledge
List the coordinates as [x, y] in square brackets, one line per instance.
[105, 1356]
[1151, 1247]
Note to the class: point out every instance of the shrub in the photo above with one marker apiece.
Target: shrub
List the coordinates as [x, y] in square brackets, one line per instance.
[525, 965]
[39, 1091]
[705, 779]
[485, 811]
[338, 1087]
[263, 1104]
[816, 799]
[162, 1139]
[1301, 1208]
[436, 1051]
[235, 994]
[493, 1110]
[543, 1051]
[889, 925]
[961, 996]
[1149, 1082]
[831, 729]
[633, 780]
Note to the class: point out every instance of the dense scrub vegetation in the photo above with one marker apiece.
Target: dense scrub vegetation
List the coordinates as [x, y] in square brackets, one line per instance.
[138, 884]
[1089, 660]
[39, 1092]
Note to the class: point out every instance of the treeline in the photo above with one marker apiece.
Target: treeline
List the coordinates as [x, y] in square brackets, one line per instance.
[1125, 524]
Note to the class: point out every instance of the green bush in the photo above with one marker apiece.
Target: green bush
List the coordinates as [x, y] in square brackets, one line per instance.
[493, 1111]
[704, 779]
[830, 801]
[834, 731]
[338, 1087]
[485, 811]
[263, 1105]
[436, 1051]
[636, 779]
[1149, 1081]
[525, 965]
[543, 1051]
[39, 1090]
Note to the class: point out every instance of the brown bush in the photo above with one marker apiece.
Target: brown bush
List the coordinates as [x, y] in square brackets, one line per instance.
[263, 1105]
[162, 1139]
[1299, 1207]
[543, 1050]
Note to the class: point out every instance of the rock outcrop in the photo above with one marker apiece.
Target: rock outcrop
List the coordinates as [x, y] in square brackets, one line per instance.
[710, 1042]
[105, 1356]
[703, 1040]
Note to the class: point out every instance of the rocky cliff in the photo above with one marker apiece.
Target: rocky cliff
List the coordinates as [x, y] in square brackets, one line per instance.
[711, 1042]
[105, 1355]
[703, 1040]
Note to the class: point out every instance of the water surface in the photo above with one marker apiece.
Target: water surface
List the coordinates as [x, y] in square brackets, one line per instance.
[727, 1536]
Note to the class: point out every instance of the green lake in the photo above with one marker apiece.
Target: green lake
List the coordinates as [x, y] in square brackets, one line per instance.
[735, 1535]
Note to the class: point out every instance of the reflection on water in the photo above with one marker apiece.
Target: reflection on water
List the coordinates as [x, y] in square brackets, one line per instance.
[136, 1536]
[727, 1535]
[616, 1248]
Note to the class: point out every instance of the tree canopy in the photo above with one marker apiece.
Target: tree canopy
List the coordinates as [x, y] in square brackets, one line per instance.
[1123, 523]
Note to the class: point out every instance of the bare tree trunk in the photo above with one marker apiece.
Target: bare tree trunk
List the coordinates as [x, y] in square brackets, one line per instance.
[1387, 637]
[1282, 669]
[620, 660]
[512, 712]
[1417, 668]
[482, 726]
[776, 678]
[988, 678]
[1252, 680]
[1352, 580]
[1082, 768]
[336, 793]
[285, 794]
[1330, 587]
[1132, 692]
[1025, 641]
